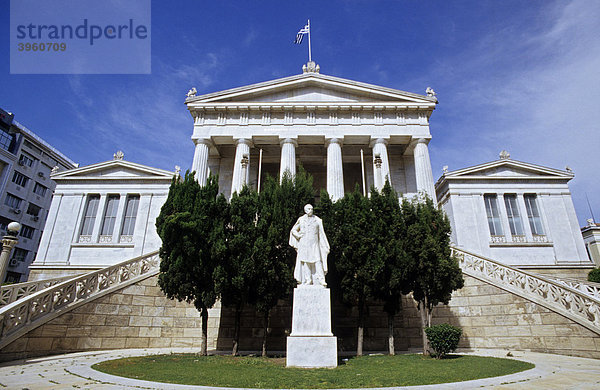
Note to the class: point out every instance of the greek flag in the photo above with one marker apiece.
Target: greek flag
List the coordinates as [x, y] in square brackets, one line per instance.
[303, 30]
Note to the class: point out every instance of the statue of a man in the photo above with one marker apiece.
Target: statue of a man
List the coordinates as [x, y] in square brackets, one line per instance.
[308, 238]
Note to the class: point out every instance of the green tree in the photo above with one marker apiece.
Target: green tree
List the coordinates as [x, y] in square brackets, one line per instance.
[280, 204]
[594, 275]
[388, 231]
[191, 226]
[433, 270]
[236, 274]
[352, 252]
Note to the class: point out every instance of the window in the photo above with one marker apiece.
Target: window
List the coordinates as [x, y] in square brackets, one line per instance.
[491, 209]
[4, 223]
[26, 161]
[130, 215]
[40, 189]
[20, 254]
[26, 231]
[533, 214]
[20, 179]
[6, 140]
[110, 215]
[12, 201]
[514, 218]
[89, 216]
[33, 210]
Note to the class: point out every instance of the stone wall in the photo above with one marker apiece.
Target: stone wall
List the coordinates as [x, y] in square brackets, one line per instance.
[137, 316]
[493, 318]
[140, 316]
[579, 273]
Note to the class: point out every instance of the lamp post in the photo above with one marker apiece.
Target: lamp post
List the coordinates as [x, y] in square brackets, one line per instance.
[8, 242]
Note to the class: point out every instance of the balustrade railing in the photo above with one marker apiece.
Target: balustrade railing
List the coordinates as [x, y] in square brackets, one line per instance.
[588, 288]
[26, 314]
[12, 292]
[559, 297]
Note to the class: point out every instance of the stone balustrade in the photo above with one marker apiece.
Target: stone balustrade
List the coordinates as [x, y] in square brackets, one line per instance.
[19, 317]
[13, 292]
[588, 288]
[559, 297]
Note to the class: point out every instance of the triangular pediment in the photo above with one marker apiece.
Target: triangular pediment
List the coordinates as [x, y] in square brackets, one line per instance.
[114, 169]
[311, 87]
[507, 169]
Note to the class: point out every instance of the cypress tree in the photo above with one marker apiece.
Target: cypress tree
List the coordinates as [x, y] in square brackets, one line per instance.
[190, 225]
[433, 272]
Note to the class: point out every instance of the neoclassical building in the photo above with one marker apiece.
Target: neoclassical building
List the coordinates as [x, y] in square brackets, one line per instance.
[517, 213]
[511, 222]
[343, 132]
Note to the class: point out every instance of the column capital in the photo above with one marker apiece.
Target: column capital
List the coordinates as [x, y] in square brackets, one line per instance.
[245, 141]
[375, 141]
[420, 140]
[334, 140]
[203, 141]
[288, 140]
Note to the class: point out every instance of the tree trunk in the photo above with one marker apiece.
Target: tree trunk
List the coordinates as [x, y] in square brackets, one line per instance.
[424, 324]
[391, 334]
[361, 328]
[236, 330]
[266, 327]
[203, 345]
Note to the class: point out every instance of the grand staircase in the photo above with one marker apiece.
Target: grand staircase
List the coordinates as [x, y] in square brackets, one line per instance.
[576, 300]
[26, 306]
[29, 305]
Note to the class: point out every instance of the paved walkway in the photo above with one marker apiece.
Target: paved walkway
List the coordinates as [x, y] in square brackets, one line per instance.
[73, 371]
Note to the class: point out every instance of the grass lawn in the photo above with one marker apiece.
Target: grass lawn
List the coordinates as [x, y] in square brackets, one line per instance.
[256, 372]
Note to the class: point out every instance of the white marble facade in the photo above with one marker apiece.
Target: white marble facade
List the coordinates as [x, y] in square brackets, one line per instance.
[100, 215]
[329, 125]
[513, 212]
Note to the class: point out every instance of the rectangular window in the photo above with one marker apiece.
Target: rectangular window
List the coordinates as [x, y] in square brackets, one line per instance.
[12, 201]
[130, 215]
[33, 210]
[26, 161]
[491, 209]
[20, 254]
[40, 189]
[110, 215]
[89, 216]
[6, 140]
[27, 231]
[514, 218]
[20, 179]
[533, 214]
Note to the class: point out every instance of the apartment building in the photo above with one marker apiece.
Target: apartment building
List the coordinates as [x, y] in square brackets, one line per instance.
[26, 189]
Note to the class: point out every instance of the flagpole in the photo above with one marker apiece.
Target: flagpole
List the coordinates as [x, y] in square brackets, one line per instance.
[309, 53]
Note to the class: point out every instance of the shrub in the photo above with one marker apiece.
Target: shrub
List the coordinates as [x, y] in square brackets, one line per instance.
[594, 275]
[443, 338]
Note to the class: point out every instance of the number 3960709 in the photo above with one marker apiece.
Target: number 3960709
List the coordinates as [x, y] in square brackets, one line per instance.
[52, 46]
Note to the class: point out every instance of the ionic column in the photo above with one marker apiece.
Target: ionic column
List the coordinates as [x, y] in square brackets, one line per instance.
[288, 157]
[240, 165]
[335, 172]
[423, 171]
[381, 163]
[200, 162]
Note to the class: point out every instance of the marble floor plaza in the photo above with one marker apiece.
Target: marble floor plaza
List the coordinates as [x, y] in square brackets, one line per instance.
[73, 371]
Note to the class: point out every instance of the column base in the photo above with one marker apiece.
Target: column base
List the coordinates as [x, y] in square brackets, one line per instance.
[311, 351]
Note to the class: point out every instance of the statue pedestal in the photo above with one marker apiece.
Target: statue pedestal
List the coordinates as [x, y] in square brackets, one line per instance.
[311, 343]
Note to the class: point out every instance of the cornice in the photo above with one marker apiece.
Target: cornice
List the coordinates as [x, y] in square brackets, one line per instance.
[309, 106]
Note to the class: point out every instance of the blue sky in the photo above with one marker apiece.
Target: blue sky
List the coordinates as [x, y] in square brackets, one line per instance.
[517, 75]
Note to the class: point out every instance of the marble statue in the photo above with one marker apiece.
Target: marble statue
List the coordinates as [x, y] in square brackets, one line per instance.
[192, 92]
[308, 238]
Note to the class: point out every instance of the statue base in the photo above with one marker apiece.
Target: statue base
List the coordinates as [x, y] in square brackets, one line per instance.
[311, 343]
[311, 351]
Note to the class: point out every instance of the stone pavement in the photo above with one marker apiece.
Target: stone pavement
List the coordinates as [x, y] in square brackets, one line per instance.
[73, 371]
